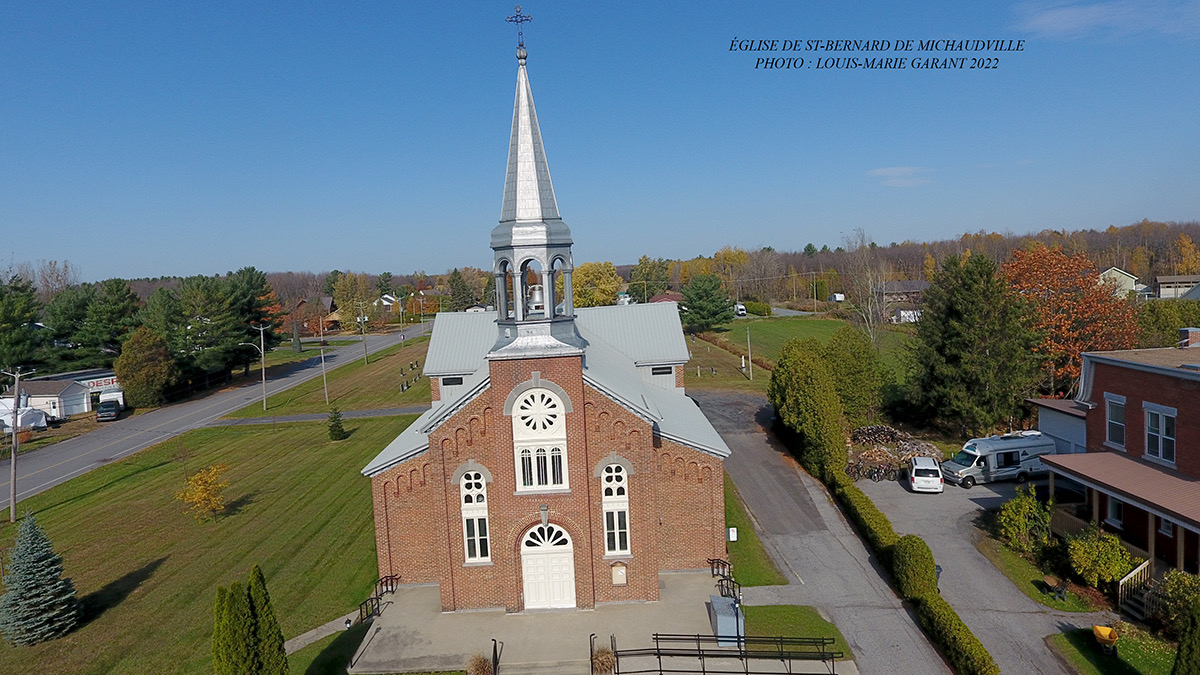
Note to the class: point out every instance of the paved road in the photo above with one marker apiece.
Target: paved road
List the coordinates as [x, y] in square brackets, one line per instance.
[1010, 625]
[827, 564]
[783, 311]
[43, 469]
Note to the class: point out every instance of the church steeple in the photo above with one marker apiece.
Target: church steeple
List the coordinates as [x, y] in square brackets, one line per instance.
[531, 246]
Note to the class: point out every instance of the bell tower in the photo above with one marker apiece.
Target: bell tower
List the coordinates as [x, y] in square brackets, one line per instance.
[531, 246]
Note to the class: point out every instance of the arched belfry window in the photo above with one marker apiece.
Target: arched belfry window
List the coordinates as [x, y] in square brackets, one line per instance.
[473, 492]
[540, 440]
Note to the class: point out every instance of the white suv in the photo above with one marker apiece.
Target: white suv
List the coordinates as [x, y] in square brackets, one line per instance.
[924, 475]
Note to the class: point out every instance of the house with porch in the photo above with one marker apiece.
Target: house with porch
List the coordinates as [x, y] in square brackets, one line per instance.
[1141, 471]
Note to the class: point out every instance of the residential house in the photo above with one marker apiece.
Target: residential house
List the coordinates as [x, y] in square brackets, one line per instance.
[1123, 282]
[1141, 470]
[59, 399]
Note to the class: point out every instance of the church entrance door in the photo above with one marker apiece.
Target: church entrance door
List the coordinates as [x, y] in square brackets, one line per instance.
[548, 567]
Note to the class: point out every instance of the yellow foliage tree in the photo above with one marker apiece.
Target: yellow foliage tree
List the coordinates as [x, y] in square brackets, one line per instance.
[929, 267]
[1139, 263]
[1189, 256]
[594, 284]
[203, 492]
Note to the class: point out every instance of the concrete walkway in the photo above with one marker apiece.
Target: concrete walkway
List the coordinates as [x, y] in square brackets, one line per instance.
[826, 562]
[325, 630]
[412, 633]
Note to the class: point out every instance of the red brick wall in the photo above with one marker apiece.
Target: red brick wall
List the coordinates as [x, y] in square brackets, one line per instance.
[1138, 386]
[675, 499]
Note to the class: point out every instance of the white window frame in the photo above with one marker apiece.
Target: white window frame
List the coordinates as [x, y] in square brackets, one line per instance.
[614, 503]
[1115, 511]
[476, 533]
[1156, 417]
[1166, 527]
[1111, 400]
[540, 442]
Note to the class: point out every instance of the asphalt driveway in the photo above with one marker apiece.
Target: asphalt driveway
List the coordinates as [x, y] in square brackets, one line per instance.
[1011, 626]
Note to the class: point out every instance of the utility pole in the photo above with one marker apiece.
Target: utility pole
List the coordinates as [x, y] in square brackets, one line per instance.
[321, 344]
[362, 324]
[750, 364]
[12, 461]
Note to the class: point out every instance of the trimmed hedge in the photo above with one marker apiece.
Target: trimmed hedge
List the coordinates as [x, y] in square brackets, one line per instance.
[757, 308]
[873, 524]
[965, 652]
[914, 568]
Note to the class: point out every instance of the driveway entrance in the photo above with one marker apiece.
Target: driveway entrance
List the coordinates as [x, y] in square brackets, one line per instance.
[548, 568]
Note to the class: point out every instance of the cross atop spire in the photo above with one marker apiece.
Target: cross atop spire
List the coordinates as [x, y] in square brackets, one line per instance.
[519, 19]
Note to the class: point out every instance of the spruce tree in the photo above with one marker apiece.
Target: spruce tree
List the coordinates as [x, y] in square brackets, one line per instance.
[707, 303]
[337, 432]
[242, 646]
[220, 641]
[1187, 659]
[272, 657]
[39, 604]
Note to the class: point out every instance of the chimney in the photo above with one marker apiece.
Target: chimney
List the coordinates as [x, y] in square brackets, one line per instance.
[1189, 337]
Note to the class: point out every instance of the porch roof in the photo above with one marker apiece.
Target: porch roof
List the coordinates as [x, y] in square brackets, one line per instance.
[1143, 484]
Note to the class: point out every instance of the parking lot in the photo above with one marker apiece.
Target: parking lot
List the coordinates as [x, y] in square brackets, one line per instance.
[1010, 625]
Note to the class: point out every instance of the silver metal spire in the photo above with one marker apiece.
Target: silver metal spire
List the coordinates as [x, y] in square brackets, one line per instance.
[528, 190]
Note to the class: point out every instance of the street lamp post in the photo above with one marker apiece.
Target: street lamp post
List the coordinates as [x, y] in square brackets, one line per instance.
[324, 381]
[361, 318]
[12, 461]
[262, 350]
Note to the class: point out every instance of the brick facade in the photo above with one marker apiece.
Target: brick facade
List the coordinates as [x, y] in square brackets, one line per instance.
[676, 498]
[1138, 387]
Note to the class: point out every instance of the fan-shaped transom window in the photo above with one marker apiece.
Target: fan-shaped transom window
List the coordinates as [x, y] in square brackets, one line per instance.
[539, 441]
[539, 412]
[546, 536]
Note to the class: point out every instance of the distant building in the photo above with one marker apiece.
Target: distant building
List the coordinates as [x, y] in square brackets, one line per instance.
[1176, 286]
[1123, 282]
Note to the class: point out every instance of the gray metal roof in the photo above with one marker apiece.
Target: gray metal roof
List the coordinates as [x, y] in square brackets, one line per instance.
[618, 338]
[528, 191]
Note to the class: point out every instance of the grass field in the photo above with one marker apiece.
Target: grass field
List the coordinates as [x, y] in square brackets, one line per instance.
[719, 369]
[752, 565]
[1138, 653]
[147, 573]
[769, 334]
[795, 621]
[354, 386]
[1027, 577]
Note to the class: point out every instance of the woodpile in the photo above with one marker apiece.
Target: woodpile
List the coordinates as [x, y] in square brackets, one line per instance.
[877, 434]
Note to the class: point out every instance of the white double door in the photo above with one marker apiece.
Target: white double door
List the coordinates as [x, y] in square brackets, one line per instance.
[548, 568]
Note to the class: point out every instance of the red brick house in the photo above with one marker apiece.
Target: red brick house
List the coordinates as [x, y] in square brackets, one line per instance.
[561, 464]
[1142, 465]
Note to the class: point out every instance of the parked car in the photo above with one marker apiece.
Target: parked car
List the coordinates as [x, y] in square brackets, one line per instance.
[108, 411]
[739, 309]
[983, 460]
[924, 475]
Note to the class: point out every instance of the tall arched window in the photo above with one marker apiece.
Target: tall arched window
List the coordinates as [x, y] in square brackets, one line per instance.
[473, 491]
[614, 501]
[539, 441]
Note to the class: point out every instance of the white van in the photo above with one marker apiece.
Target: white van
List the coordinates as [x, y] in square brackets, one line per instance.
[739, 309]
[1012, 456]
[117, 395]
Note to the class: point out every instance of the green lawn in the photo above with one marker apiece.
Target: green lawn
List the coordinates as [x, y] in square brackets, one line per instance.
[794, 621]
[1027, 577]
[354, 386]
[147, 572]
[1138, 653]
[752, 565]
[769, 334]
[719, 369]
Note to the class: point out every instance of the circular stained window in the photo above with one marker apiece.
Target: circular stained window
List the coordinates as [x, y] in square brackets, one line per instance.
[539, 411]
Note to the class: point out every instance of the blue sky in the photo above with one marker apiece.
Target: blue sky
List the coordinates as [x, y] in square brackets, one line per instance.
[149, 139]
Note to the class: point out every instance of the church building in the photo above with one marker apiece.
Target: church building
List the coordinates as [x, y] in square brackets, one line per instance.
[561, 465]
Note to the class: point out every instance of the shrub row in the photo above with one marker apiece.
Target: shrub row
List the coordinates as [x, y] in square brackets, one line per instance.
[873, 524]
[913, 568]
[965, 652]
[757, 308]
[736, 349]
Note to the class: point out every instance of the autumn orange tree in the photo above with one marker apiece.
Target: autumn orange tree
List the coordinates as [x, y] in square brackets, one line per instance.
[1073, 311]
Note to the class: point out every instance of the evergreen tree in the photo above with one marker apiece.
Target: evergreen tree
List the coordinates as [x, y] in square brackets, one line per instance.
[145, 368]
[39, 604]
[461, 295]
[272, 657]
[210, 326]
[648, 278]
[18, 312]
[973, 353]
[384, 284]
[802, 391]
[222, 664]
[707, 303]
[242, 645]
[254, 304]
[65, 313]
[1187, 658]
[857, 373]
[110, 318]
[337, 431]
[810, 250]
